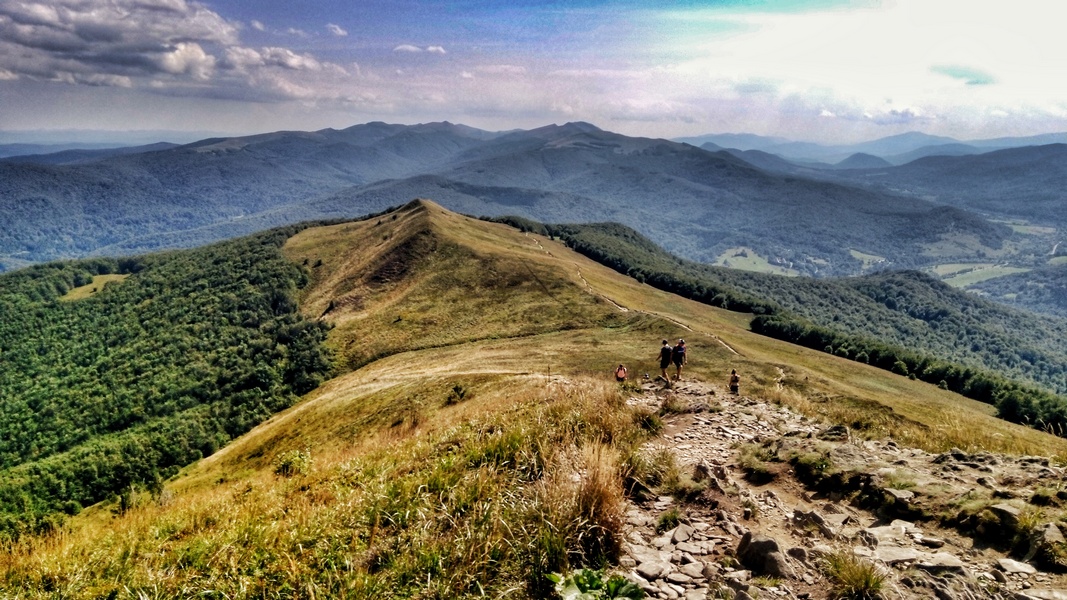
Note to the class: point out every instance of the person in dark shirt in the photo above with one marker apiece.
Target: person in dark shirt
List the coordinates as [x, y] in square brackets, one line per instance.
[678, 357]
[735, 382]
[665, 359]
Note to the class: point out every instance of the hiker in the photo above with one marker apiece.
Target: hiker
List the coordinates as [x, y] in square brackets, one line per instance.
[620, 374]
[735, 381]
[679, 359]
[665, 359]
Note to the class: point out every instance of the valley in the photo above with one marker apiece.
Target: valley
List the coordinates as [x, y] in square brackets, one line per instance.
[469, 439]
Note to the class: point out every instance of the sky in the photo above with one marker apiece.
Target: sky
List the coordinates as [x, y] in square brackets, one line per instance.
[830, 71]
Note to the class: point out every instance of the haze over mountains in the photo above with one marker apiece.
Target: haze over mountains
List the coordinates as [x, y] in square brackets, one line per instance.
[746, 208]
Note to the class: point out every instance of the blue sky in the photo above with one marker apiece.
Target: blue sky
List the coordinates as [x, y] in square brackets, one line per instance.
[821, 70]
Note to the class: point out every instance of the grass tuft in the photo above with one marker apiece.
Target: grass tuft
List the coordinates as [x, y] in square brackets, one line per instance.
[853, 578]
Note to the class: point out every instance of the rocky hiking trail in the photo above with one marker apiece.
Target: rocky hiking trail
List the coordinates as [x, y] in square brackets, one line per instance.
[780, 492]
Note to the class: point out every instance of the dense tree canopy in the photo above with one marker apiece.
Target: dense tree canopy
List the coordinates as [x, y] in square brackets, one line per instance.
[147, 375]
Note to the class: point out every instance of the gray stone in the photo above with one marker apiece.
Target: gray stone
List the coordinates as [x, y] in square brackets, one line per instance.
[710, 571]
[798, 553]
[694, 570]
[892, 555]
[1013, 566]
[1007, 515]
[942, 562]
[931, 542]
[653, 570]
[891, 534]
[627, 562]
[1042, 595]
[690, 548]
[682, 533]
[697, 594]
[679, 578]
[666, 591]
[763, 555]
[900, 495]
[1047, 548]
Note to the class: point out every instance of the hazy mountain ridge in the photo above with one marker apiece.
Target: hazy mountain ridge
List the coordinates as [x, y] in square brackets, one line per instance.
[897, 149]
[1018, 183]
[696, 203]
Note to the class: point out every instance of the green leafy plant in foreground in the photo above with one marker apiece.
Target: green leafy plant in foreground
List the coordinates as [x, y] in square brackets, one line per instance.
[589, 584]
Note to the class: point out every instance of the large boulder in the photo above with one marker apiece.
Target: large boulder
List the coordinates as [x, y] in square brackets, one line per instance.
[1048, 548]
[764, 556]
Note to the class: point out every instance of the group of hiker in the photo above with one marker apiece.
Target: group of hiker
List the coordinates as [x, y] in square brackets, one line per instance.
[676, 355]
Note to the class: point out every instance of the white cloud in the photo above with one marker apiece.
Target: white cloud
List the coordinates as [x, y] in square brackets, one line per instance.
[6, 75]
[283, 57]
[336, 30]
[466, 75]
[407, 48]
[296, 32]
[187, 58]
[258, 26]
[436, 50]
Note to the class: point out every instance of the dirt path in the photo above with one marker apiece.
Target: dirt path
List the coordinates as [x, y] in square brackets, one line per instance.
[717, 438]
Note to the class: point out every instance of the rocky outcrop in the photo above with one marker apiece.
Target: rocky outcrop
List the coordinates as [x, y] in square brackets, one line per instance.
[835, 493]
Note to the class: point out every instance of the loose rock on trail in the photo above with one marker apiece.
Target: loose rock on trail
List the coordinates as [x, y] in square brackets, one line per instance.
[780, 492]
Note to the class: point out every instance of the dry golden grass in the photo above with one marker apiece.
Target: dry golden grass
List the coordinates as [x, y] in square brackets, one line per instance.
[480, 445]
[90, 289]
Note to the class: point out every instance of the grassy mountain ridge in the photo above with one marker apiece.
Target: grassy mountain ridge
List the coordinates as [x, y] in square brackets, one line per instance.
[906, 309]
[493, 455]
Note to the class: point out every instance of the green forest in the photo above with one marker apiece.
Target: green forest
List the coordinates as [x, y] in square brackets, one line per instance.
[119, 390]
[903, 321]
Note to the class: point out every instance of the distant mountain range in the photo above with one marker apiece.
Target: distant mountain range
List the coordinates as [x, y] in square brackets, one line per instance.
[700, 204]
[897, 149]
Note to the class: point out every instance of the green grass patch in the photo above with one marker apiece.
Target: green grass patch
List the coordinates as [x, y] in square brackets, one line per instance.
[948, 269]
[91, 289]
[868, 260]
[746, 259]
[969, 278]
[1058, 260]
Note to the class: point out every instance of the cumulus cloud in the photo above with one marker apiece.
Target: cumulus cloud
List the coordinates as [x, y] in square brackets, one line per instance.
[171, 47]
[110, 43]
[187, 58]
[336, 30]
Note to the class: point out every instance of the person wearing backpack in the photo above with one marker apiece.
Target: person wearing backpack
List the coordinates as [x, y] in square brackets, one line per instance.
[679, 359]
[665, 359]
[735, 382]
[620, 374]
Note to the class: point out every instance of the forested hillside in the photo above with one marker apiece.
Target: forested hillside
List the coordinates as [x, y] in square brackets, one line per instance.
[1042, 290]
[119, 389]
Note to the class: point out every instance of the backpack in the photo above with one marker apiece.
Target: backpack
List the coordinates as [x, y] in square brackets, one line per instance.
[678, 352]
[666, 352]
